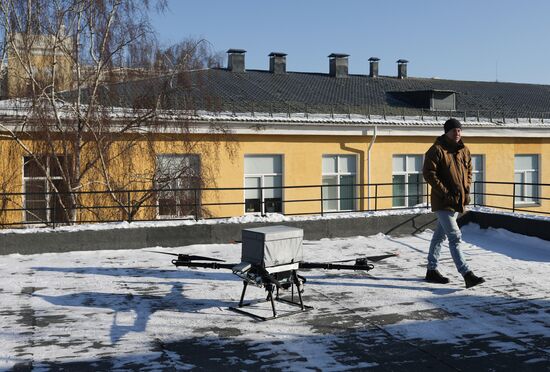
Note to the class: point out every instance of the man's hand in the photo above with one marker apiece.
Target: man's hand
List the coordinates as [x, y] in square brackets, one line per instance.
[452, 199]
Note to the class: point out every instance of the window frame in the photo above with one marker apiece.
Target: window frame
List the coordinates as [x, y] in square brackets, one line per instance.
[194, 179]
[262, 177]
[481, 187]
[48, 190]
[406, 173]
[338, 174]
[534, 200]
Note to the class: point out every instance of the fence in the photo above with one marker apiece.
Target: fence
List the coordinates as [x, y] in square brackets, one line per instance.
[198, 203]
[534, 200]
[299, 110]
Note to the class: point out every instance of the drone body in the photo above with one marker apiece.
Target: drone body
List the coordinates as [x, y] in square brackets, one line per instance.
[270, 258]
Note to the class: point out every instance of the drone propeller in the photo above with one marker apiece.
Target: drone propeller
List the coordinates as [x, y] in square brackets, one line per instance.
[381, 257]
[171, 254]
[189, 257]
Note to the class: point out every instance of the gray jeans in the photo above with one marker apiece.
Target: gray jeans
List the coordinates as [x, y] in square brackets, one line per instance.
[447, 226]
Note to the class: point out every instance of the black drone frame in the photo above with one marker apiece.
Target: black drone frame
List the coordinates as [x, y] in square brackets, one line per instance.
[274, 278]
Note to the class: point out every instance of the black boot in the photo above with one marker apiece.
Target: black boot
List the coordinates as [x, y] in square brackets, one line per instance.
[471, 280]
[434, 276]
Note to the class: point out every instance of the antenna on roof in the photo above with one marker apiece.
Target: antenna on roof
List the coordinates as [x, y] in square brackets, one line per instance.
[496, 71]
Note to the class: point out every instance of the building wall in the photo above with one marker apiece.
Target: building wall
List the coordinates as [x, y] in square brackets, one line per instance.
[10, 180]
[302, 166]
[33, 55]
[223, 165]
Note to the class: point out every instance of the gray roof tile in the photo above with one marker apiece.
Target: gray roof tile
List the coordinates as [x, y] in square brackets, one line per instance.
[259, 90]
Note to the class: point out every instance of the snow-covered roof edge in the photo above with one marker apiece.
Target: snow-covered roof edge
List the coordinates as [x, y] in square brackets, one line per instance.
[268, 218]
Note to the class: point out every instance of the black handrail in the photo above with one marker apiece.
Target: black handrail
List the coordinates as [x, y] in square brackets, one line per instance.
[129, 210]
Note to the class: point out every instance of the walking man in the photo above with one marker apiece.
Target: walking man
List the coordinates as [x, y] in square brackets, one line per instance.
[448, 170]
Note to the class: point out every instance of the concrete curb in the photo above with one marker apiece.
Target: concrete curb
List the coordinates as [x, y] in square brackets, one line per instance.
[175, 236]
[525, 226]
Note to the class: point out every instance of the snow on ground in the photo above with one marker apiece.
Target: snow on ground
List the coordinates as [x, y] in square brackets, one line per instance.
[132, 310]
[513, 245]
[253, 218]
[248, 218]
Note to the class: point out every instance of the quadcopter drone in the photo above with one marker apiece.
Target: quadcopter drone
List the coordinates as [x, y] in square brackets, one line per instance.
[270, 258]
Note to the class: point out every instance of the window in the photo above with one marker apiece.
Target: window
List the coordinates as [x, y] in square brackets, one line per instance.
[526, 172]
[477, 188]
[407, 180]
[263, 173]
[178, 176]
[339, 182]
[42, 203]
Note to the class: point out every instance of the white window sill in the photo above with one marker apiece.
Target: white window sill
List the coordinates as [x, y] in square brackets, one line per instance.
[527, 204]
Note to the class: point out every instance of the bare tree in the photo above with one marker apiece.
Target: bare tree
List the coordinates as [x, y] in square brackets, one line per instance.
[79, 124]
[189, 54]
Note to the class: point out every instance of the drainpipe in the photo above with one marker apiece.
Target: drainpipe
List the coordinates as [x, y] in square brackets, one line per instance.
[368, 167]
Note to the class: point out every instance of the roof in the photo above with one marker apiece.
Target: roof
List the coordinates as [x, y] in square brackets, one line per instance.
[262, 91]
[258, 90]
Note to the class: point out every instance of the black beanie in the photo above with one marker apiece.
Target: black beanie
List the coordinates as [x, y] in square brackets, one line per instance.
[451, 124]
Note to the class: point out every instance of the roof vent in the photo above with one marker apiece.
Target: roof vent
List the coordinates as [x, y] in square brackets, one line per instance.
[338, 65]
[235, 60]
[433, 99]
[373, 61]
[402, 68]
[277, 62]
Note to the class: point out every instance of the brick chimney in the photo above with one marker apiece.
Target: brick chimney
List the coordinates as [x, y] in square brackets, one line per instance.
[338, 64]
[402, 68]
[373, 61]
[277, 63]
[235, 60]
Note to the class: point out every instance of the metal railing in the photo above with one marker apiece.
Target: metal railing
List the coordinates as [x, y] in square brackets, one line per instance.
[300, 110]
[216, 107]
[520, 201]
[197, 203]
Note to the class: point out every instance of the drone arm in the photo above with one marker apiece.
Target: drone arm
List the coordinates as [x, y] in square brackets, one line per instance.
[361, 263]
[333, 266]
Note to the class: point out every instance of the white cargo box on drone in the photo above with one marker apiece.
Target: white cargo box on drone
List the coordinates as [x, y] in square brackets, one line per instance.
[272, 245]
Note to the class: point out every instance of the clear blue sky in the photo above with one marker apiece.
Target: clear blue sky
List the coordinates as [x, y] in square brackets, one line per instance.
[481, 40]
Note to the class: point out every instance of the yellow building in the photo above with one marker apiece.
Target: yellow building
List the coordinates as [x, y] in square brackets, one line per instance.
[260, 141]
[30, 63]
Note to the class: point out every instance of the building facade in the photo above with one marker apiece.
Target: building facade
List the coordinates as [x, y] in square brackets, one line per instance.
[303, 143]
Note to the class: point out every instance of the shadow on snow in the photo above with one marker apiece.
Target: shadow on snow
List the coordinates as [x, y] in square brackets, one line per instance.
[143, 305]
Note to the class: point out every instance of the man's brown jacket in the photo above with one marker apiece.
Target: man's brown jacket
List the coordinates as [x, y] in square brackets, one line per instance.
[448, 170]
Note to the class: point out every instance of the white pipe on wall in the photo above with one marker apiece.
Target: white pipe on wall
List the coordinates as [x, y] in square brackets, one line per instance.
[368, 166]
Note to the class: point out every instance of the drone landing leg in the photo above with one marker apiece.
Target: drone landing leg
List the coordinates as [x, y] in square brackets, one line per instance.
[270, 296]
[242, 295]
[295, 283]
